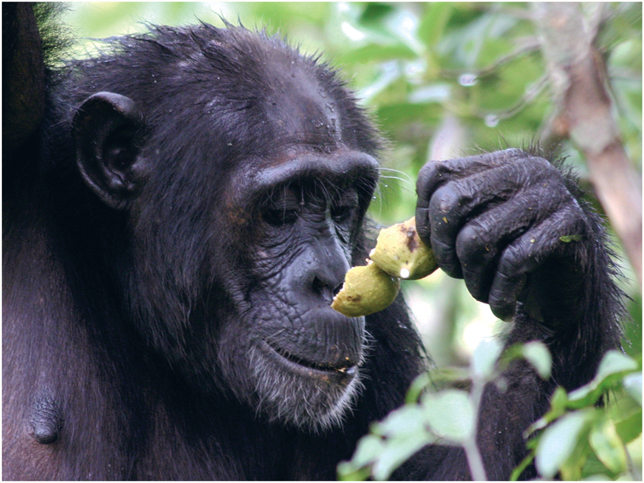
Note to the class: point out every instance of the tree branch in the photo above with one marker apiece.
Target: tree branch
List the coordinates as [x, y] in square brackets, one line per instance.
[578, 80]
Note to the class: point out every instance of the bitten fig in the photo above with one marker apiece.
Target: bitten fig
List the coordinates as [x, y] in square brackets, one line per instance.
[366, 290]
[400, 252]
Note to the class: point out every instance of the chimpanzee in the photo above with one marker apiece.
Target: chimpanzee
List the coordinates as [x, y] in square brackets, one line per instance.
[179, 211]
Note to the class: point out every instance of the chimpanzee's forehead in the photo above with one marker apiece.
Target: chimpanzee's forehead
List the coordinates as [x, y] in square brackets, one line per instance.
[287, 88]
[269, 92]
[299, 107]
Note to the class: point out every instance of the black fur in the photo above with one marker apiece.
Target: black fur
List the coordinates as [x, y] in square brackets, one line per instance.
[194, 198]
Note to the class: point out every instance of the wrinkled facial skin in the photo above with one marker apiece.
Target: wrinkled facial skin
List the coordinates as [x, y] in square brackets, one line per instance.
[297, 360]
[243, 213]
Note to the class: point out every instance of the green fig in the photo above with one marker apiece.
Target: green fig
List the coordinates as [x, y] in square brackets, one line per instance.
[401, 253]
[366, 290]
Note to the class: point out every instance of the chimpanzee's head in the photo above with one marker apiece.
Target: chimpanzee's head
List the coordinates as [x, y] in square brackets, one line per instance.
[242, 171]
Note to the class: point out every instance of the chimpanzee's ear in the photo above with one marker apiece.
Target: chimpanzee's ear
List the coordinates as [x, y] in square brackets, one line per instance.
[105, 130]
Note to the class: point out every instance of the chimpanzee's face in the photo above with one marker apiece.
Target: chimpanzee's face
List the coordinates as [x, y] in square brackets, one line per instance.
[245, 207]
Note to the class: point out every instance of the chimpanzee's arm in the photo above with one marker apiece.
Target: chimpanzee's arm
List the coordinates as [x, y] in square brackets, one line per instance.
[512, 226]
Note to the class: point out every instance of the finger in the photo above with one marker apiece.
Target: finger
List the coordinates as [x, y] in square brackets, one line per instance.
[549, 239]
[456, 203]
[482, 239]
[437, 173]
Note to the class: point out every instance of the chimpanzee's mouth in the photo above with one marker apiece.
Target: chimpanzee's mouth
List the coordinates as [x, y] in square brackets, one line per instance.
[347, 368]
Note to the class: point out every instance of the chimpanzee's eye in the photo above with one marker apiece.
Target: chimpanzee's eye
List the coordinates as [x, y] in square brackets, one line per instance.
[282, 208]
[344, 208]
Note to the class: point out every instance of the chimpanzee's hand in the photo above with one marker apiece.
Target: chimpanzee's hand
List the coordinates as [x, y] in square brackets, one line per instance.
[507, 223]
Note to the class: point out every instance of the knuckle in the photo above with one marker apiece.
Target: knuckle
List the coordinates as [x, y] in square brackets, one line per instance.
[571, 218]
[427, 177]
[470, 242]
[544, 172]
[476, 286]
[444, 201]
[508, 156]
[422, 223]
[499, 158]
[510, 261]
[513, 153]
[446, 257]
[541, 164]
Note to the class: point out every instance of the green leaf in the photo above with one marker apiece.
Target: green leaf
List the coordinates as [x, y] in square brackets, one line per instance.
[516, 473]
[435, 92]
[615, 362]
[598, 477]
[375, 53]
[434, 21]
[405, 420]
[404, 433]
[369, 448]
[558, 405]
[537, 354]
[403, 25]
[570, 238]
[397, 451]
[450, 414]
[630, 428]
[593, 467]
[607, 445]
[611, 368]
[571, 469]
[484, 358]
[417, 387]
[558, 442]
[633, 386]
[389, 73]
[347, 472]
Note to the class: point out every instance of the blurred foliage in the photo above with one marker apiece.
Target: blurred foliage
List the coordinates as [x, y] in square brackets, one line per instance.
[442, 80]
[575, 439]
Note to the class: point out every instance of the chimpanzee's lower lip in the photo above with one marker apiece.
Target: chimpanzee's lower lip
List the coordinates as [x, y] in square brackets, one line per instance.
[310, 368]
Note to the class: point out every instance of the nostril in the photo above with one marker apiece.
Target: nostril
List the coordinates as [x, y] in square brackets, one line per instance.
[324, 290]
[317, 286]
